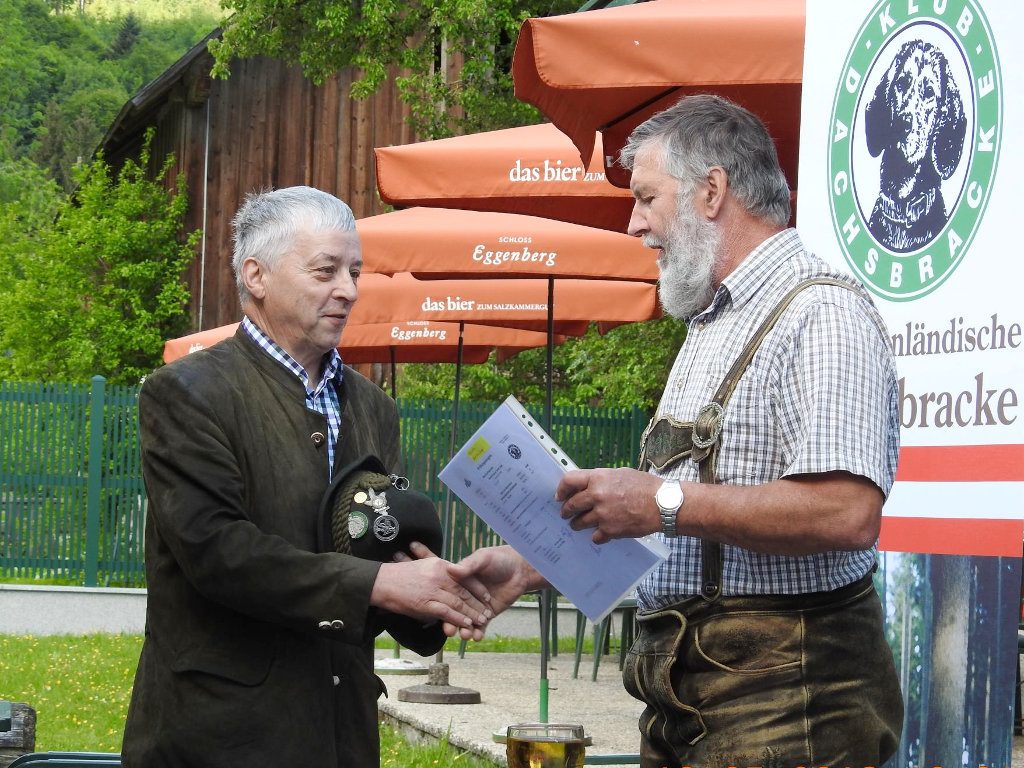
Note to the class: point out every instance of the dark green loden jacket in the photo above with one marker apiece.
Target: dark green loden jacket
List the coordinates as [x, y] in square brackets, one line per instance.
[258, 649]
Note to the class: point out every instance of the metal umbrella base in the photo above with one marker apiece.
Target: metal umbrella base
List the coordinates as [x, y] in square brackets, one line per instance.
[397, 666]
[437, 691]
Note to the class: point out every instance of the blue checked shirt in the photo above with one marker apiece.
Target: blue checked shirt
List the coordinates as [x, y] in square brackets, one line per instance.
[323, 398]
[820, 395]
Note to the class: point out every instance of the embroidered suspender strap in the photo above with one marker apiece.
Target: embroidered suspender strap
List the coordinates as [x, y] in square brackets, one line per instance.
[707, 428]
[666, 440]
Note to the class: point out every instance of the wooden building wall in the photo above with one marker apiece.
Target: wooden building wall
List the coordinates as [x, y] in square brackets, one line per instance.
[264, 127]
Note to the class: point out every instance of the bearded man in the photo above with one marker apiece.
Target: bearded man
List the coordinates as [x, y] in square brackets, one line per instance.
[764, 471]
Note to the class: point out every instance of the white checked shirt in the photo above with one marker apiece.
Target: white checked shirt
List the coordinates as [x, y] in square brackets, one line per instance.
[819, 395]
[323, 398]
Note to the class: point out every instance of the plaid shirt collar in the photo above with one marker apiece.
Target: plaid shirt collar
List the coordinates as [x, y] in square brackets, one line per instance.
[332, 366]
[744, 282]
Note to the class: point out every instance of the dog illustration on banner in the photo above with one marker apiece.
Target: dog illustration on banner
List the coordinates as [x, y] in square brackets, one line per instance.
[916, 122]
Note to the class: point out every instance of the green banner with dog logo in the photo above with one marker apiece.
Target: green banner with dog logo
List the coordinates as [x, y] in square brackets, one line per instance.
[909, 168]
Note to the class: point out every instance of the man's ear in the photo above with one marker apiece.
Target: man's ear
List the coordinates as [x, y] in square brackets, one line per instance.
[254, 275]
[713, 192]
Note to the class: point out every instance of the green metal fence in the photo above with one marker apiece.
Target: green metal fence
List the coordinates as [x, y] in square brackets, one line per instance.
[72, 504]
[71, 497]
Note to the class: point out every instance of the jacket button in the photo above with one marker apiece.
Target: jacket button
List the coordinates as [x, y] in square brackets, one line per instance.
[317, 438]
[337, 624]
[324, 625]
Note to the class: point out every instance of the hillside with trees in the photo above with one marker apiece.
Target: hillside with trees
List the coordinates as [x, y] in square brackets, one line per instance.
[90, 282]
[65, 74]
[68, 66]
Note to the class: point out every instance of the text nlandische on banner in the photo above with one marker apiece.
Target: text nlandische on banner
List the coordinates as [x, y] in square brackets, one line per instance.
[908, 181]
[909, 169]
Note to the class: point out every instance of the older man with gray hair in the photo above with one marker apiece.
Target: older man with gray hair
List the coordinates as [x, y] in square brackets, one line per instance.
[259, 641]
[764, 471]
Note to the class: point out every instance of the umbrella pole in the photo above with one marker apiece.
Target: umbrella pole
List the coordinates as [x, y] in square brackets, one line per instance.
[391, 350]
[391, 353]
[545, 594]
[550, 353]
[437, 690]
[449, 550]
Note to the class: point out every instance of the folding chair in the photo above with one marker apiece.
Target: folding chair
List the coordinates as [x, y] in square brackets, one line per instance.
[602, 630]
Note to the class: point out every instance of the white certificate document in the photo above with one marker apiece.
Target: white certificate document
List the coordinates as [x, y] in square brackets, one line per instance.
[507, 473]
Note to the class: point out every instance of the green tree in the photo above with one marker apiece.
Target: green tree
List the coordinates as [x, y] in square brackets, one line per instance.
[420, 36]
[73, 128]
[127, 35]
[36, 44]
[100, 289]
[625, 367]
[27, 195]
[29, 201]
[60, 83]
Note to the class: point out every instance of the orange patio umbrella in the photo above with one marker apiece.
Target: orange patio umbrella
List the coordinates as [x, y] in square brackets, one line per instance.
[609, 70]
[449, 243]
[428, 341]
[513, 303]
[175, 348]
[533, 170]
[415, 341]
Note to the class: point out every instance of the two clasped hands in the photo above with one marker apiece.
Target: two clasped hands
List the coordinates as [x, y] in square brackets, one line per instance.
[616, 503]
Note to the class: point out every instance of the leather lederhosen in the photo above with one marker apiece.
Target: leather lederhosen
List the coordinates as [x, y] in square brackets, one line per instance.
[709, 702]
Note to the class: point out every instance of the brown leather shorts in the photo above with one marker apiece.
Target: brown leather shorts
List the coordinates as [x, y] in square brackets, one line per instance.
[775, 681]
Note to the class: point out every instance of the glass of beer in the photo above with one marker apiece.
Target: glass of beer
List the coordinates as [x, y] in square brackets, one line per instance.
[545, 745]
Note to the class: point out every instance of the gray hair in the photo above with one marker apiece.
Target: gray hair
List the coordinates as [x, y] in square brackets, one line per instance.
[704, 131]
[268, 222]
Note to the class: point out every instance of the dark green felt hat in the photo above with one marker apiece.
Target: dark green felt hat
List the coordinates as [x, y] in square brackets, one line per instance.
[370, 514]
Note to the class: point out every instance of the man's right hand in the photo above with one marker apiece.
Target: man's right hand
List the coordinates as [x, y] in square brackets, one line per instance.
[425, 590]
[498, 575]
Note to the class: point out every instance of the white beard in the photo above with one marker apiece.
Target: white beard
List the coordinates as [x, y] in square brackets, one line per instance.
[687, 263]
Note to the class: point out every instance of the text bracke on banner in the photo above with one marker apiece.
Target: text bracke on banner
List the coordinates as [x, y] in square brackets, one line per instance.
[507, 473]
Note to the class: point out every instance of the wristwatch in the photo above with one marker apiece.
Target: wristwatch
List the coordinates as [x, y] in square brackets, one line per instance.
[669, 499]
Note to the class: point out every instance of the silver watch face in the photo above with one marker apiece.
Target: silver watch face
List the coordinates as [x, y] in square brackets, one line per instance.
[669, 496]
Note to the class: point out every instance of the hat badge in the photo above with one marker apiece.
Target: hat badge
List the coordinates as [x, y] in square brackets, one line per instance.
[384, 526]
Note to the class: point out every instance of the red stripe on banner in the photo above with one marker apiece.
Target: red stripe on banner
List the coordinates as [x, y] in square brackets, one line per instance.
[961, 463]
[944, 536]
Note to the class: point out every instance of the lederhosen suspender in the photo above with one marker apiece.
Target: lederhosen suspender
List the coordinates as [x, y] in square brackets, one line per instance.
[666, 440]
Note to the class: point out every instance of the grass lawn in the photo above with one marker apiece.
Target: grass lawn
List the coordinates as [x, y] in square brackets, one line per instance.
[79, 686]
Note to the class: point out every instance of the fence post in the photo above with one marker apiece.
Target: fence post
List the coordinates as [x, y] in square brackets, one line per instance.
[637, 423]
[92, 509]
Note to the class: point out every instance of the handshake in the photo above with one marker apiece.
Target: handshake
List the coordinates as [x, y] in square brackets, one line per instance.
[466, 595]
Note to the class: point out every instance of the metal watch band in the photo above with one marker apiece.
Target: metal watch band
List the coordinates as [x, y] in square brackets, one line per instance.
[669, 509]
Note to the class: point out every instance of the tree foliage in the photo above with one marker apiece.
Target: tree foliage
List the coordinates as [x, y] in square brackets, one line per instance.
[89, 284]
[99, 290]
[626, 367]
[72, 129]
[64, 76]
[127, 35]
[420, 36]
